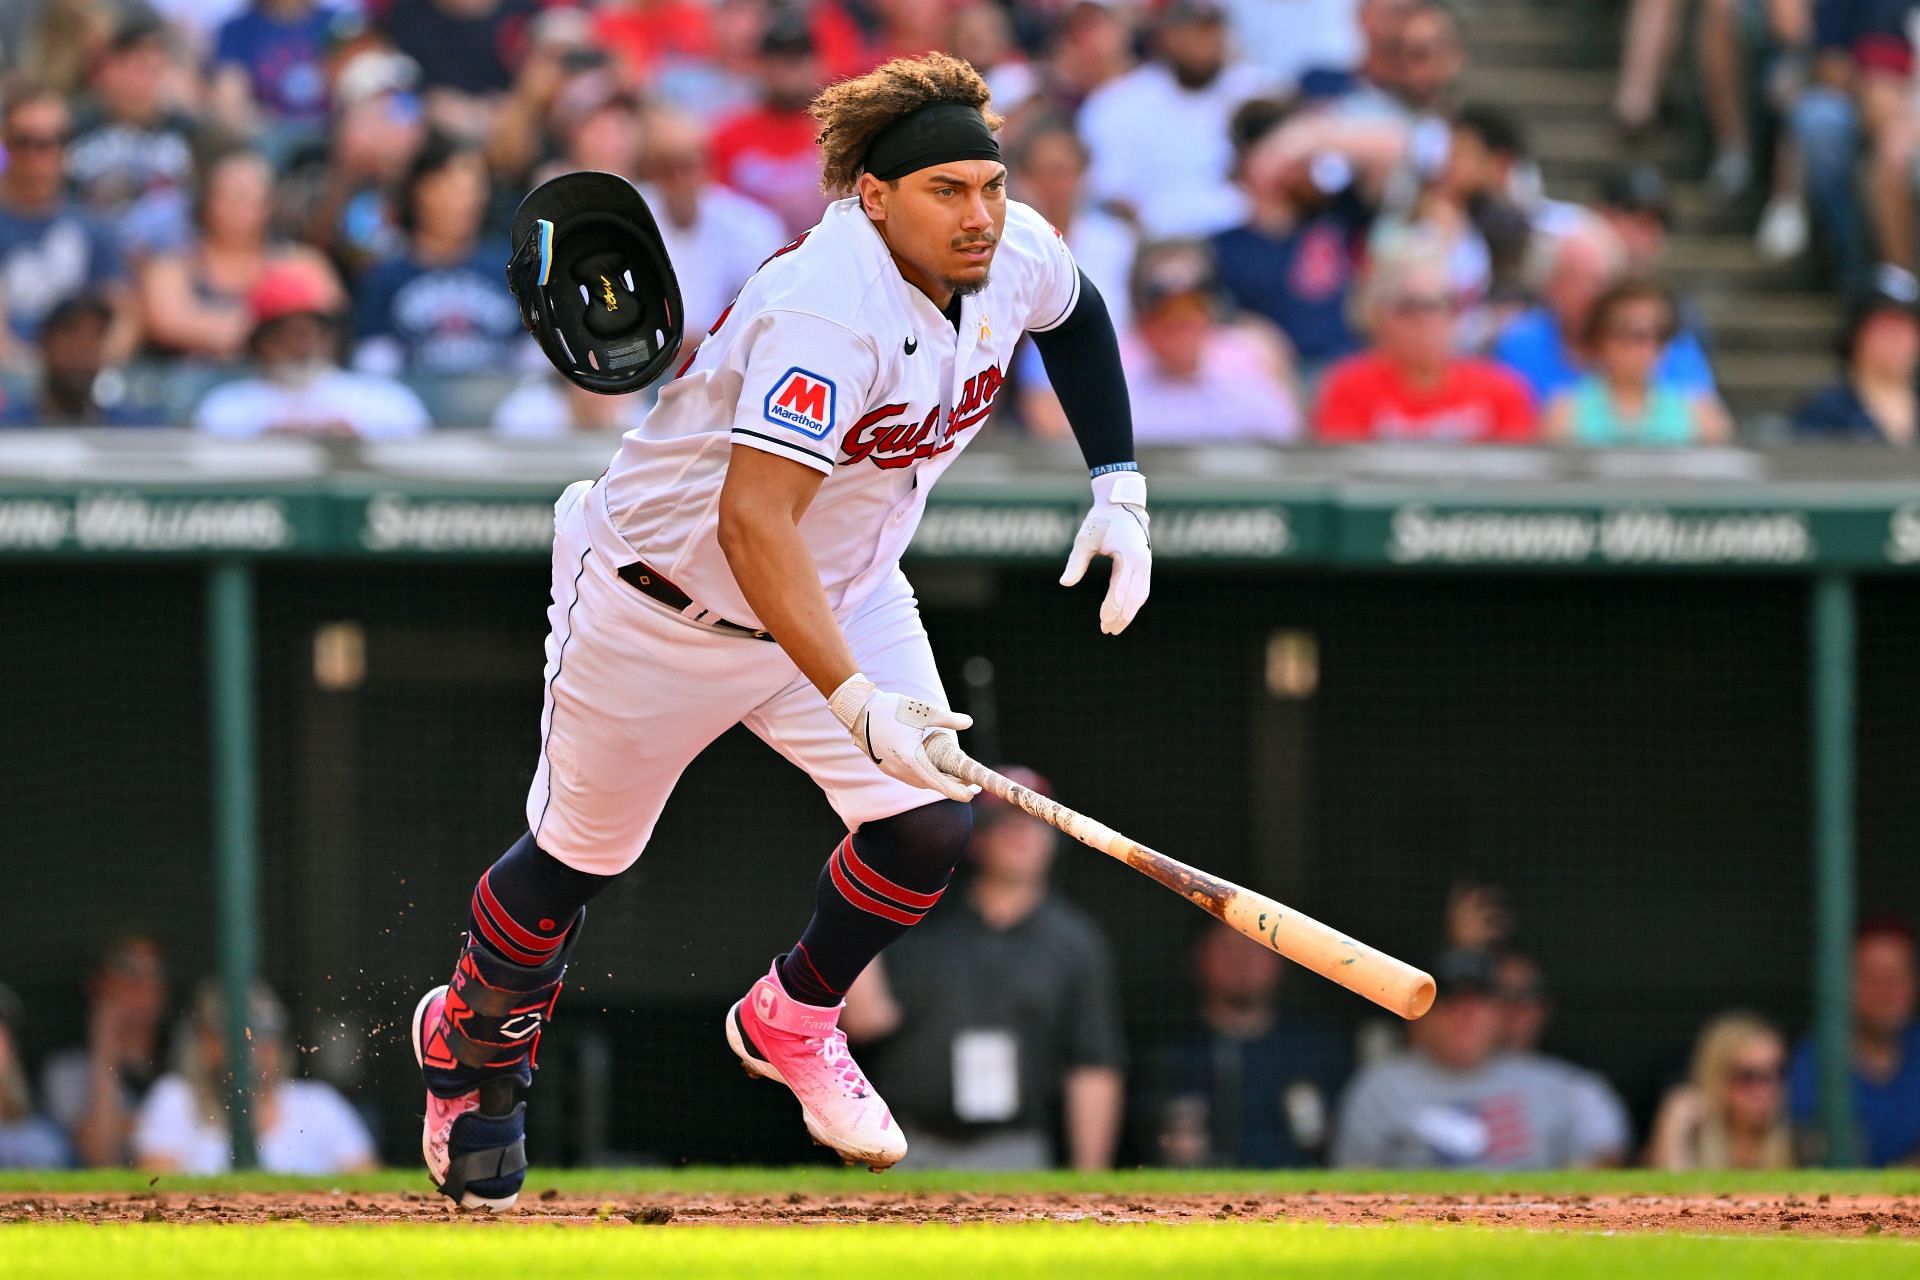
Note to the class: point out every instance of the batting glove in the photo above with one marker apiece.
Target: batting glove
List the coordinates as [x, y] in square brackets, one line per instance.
[893, 730]
[1117, 528]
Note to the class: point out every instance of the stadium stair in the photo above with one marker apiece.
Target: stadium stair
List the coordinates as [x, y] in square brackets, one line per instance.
[1553, 64]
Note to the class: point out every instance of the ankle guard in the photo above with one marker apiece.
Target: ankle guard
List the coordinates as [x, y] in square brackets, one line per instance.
[491, 1023]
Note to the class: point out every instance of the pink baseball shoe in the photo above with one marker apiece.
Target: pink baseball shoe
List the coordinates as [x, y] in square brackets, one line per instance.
[801, 1046]
[477, 1160]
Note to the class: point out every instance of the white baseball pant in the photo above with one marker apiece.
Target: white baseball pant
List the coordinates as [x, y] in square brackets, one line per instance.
[634, 691]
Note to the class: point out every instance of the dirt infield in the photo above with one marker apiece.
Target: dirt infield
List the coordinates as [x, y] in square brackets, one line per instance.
[1817, 1215]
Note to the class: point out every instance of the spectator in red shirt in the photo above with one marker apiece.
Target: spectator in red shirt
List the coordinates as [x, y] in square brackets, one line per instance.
[768, 153]
[1413, 384]
[643, 33]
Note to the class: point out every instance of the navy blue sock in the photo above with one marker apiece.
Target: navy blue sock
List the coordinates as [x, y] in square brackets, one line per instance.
[526, 902]
[879, 883]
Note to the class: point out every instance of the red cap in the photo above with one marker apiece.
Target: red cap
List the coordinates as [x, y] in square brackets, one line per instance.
[289, 289]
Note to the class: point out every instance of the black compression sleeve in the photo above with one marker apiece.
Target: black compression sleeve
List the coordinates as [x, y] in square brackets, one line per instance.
[1082, 355]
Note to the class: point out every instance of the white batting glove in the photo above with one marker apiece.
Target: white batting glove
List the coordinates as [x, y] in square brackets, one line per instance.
[893, 730]
[1117, 528]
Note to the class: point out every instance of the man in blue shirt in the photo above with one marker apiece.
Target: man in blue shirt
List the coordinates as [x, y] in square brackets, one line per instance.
[49, 249]
[1886, 1049]
[1542, 346]
[277, 50]
[1295, 259]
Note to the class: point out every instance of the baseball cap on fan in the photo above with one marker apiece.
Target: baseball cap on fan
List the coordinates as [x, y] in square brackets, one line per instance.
[1892, 291]
[289, 289]
[1173, 269]
[1463, 971]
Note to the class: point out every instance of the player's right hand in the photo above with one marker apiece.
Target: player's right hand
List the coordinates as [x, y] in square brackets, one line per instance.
[893, 730]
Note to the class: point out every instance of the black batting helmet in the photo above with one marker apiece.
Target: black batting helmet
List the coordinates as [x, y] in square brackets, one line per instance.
[593, 281]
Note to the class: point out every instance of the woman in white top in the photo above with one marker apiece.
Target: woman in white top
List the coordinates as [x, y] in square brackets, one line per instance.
[299, 1126]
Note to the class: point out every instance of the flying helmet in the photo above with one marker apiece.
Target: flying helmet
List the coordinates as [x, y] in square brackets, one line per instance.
[595, 286]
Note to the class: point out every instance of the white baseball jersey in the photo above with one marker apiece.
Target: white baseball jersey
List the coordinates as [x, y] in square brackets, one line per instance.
[831, 359]
[828, 358]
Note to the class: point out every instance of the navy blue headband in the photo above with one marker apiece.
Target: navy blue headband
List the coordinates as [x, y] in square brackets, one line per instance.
[934, 134]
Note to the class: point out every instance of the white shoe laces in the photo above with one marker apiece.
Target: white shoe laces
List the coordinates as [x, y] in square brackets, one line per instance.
[839, 1060]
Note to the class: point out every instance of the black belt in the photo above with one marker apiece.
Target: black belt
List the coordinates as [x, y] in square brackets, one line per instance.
[643, 578]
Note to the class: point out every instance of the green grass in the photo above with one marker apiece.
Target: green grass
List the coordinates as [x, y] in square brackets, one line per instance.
[824, 1179]
[1003, 1253]
[853, 1251]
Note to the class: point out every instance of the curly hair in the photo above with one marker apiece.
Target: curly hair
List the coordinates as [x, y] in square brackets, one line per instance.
[851, 112]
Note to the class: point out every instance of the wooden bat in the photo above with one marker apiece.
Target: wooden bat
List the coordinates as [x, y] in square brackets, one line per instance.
[1392, 984]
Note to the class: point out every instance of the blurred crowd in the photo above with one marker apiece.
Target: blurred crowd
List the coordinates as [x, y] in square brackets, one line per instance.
[995, 1030]
[288, 215]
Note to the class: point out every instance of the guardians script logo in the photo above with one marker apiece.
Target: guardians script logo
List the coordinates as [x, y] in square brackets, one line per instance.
[886, 439]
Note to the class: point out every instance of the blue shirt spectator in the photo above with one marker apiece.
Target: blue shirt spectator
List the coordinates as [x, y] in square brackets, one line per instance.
[1533, 347]
[1299, 275]
[47, 256]
[469, 48]
[49, 248]
[1886, 1050]
[455, 317]
[1886, 1112]
[1837, 415]
[281, 48]
[441, 306]
[1876, 401]
[131, 157]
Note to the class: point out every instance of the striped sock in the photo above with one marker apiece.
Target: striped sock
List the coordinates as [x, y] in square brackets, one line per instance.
[874, 888]
[526, 902]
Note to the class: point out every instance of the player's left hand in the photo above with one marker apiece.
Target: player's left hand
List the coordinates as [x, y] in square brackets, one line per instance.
[1116, 527]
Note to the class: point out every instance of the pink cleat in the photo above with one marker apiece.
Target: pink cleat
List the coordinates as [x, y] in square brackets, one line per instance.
[476, 1159]
[801, 1046]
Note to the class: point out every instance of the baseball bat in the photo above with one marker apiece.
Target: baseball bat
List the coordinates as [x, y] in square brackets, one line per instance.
[1392, 984]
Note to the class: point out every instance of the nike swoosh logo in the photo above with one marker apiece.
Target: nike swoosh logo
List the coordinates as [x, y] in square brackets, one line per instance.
[913, 345]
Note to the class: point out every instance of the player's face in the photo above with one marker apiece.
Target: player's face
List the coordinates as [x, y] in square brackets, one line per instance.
[942, 223]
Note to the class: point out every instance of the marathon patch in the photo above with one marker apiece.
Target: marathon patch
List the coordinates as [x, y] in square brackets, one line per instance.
[803, 402]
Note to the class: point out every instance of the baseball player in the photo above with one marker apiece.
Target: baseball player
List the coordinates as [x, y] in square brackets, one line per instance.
[739, 563]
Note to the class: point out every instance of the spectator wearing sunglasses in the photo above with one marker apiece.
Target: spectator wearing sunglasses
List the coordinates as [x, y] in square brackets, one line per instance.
[1413, 384]
[1731, 1113]
[50, 249]
[1569, 270]
[1626, 398]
